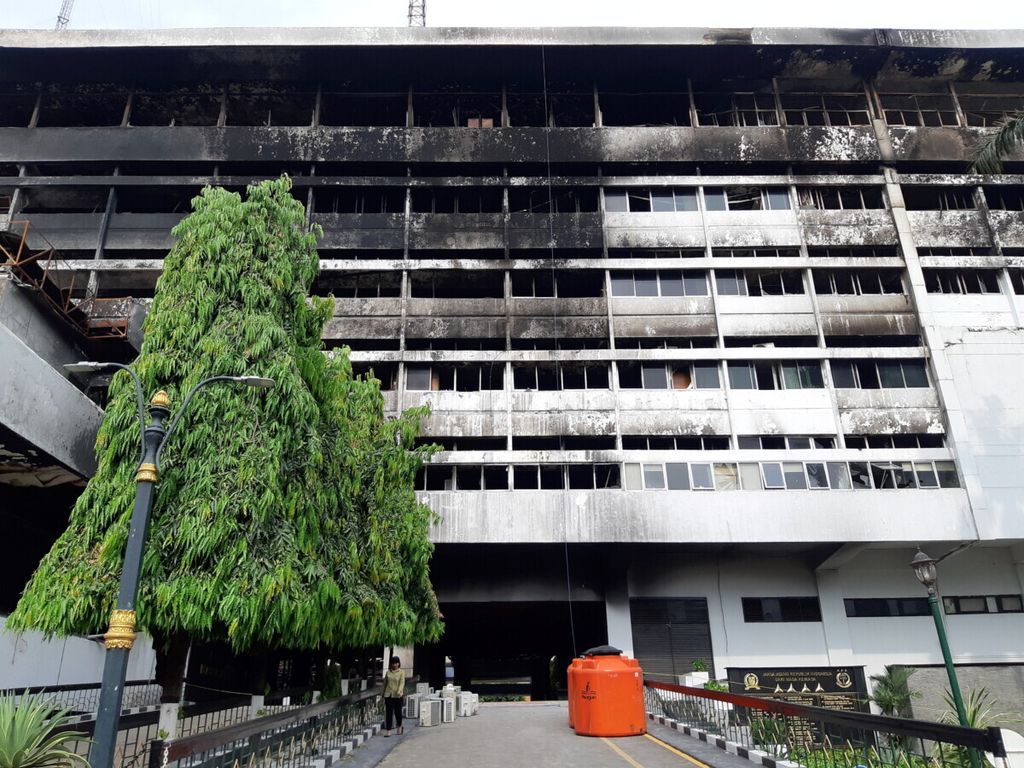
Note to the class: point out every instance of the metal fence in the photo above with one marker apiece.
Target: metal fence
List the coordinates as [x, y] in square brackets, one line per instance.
[822, 738]
[82, 699]
[282, 740]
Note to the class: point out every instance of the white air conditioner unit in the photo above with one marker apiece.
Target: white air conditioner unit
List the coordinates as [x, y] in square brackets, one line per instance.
[423, 688]
[412, 706]
[464, 704]
[476, 703]
[448, 692]
[448, 711]
[430, 712]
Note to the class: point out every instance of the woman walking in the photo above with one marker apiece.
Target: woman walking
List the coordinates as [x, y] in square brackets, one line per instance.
[394, 690]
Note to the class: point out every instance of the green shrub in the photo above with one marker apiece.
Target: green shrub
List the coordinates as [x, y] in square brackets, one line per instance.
[28, 738]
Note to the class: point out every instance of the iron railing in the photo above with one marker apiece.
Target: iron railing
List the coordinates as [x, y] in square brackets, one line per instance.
[83, 698]
[282, 740]
[821, 738]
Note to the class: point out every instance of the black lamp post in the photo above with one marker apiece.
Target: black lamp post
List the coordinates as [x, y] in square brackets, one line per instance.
[120, 637]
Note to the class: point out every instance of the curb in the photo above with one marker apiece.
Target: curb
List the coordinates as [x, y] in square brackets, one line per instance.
[756, 756]
[346, 748]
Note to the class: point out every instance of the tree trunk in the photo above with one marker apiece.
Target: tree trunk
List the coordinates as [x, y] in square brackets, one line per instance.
[171, 654]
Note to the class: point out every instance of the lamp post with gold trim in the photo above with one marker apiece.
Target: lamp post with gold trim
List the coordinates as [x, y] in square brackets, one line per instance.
[120, 636]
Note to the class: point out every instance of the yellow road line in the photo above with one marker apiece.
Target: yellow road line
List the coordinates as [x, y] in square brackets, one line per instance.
[675, 751]
[617, 750]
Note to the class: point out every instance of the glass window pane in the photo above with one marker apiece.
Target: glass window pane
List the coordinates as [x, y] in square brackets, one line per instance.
[914, 373]
[654, 376]
[686, 199]
[634, 478]
[772, 473]
[926, 477]
[741, 375]
[905, 475]
[790, 376]
[816, 475]
[730, 282]
[662, 200]
[799, 442]
[417, 377]
[778, 199]
[890, 374]
[615, 200]
[671, 282]
[859, 476]
[678, 477]
[705, 375]
[946, 470]
[702, 479]
[695, 282]
[750, 477]
[882, 475]
[654, 477]
[1010, 604]
[748, 442]
[810, 375]
[839, 476]
[725, 477]
[842, 374]
[646, 283]
[794, 472]
[622, 284]
[714, 199]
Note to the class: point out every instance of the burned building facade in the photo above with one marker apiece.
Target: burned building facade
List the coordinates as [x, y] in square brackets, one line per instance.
[717, 327]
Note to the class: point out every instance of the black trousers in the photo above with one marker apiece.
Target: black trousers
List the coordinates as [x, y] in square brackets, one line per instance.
[392, 712]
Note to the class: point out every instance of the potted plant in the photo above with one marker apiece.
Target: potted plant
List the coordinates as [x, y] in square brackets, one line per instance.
[698, 677]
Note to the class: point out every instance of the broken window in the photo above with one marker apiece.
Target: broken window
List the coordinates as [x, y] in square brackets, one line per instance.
[754, 253]
[736, 109]
[64, 199]
[266, 105]
[457, 284]
[162, 199]
[746, 198]
[474, 477]
[919, 109]
[556, 110]
[826, 108]
[363, 109]
[900, 440]
[669, 282]
[840, 198]
[751, 374]
[17, 103]
[83, 105]
[680, 443]
[961, 280]
[938, 198]
[644, 109]
[186, 107]
[650, 199]
[869, 252]
[456, 200]
[359, 200]
[557, 199]
[756, 282]
[460, 377]
[989, 109]
[875, 374]
[1005, 198]
[385, 373]
[674, 375]
[857, 282]
[781, 442]
[957, 251]
[559, 376]
[1017, 280]
[457, 110]
[359, 285]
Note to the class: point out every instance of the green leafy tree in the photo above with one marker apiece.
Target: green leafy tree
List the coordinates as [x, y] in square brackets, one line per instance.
[283, 518]
[997, 147]
[890, 691]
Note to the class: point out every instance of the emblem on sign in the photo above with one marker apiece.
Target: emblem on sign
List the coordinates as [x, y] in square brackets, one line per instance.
[843, 680]
[750, 682]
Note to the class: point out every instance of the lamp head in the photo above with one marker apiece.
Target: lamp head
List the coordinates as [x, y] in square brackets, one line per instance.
[84, 367]
[924, 569]
[261, 382]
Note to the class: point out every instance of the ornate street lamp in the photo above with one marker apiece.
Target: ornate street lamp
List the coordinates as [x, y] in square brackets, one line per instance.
[120, 637]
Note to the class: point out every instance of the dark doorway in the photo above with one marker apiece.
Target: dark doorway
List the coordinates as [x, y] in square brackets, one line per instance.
[669, 634]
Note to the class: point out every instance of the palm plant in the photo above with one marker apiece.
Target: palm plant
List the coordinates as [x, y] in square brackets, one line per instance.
[993, 150]
[891, 690]
[29, 737]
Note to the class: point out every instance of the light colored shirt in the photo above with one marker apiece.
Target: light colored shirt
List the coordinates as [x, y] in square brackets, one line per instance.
[394, 683]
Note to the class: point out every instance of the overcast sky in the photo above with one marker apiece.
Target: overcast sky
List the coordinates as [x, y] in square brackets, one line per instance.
[91, 14]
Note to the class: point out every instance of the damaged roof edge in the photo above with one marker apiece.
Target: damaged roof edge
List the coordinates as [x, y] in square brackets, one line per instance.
[505, 36]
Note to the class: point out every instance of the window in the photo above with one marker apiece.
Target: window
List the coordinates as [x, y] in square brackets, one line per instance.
[670, 443]
[876, 374]
[902, 440]
[840, 198]
[1005, 198]
[1017, 280]
[759, 282]
[559, 376]
[919, 109]
[668, 282]
[938, 198]
[781, 442]
[775, 375]
[775, 609]
[983, 604]
[877, 607]
[746, 198]
[473, 477]
[857, 282]
[681, 375]
[457, 377]
[860, 252]
[736, 109]
[648, 200]
[961, 280]
[988, 109]
[756, 253]
[825, 108]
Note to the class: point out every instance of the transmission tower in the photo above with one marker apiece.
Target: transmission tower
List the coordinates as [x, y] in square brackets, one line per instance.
[417, 13]
[64, 15]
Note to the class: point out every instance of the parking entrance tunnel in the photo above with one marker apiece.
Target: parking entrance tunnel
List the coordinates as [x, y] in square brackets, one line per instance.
[512, 648]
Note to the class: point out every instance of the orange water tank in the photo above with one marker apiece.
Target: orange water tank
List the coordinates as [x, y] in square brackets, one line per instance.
[608, 695]
[571, 686]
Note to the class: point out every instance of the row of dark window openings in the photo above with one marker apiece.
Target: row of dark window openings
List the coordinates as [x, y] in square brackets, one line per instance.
[683, 442]
[742, 374]
[804, 609]
[535, 199]
[739, 104]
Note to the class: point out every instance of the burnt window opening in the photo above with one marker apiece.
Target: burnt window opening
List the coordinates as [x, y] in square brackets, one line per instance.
[935, 110]
[259, 106]
[460, 443]
[675, 442]
[956, 251]
[879, 374]
[531, 477]
[176, 108]
[551, 377]
[457, 377]
[363, 109]
[666, 342]
[902, 440]
[64, 200]
[858, 282]
[359, 200]
[385, 373]
[560, 343]
[456, 110]
[476, 477]
[546, 283]
[363, 345]
[656, 253]
[857, 252]
[1017, 280]
[650, 199]
[700, 374]
[755, 253]
[359, 285]
[961, 280]
[563, 442]
[644, 109]
[736, 342]
[840, 198]
[83, 106]
[456, 345]
[988, 110]
[872, 341]
[457, 284]
[742, 109]
[746, 198]
[17, 103]
[826, 108]
[1005, 198]
[347, 254]
[461, 254]
[938, 198]
[456, 200]
[769, 374]
[759, 282]
[561, 110]
[553, 199]
[662, 282]
[161, 199]
[782, 442]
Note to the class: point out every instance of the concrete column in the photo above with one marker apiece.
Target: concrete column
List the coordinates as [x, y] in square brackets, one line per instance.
[616, 606]
[834, 622]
